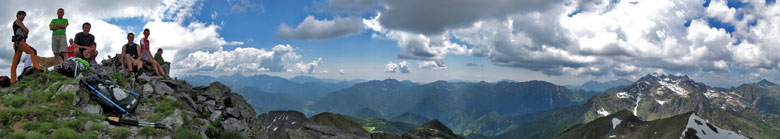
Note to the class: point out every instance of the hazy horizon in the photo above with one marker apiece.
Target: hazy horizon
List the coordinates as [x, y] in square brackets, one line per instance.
[722, 43]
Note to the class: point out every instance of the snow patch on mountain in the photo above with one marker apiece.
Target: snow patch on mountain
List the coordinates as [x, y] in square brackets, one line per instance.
[622, 95]
[615, 122]
[603, 112]
[711, 94]
[638, 98]
[705, 130]
[675, 88]
[660, 102]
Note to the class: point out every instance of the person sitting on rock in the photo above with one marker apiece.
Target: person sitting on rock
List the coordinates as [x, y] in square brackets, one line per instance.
[147, 56]
[71, 50]
[129, 57]
[84, 43]
[158, 57]
[166, 66]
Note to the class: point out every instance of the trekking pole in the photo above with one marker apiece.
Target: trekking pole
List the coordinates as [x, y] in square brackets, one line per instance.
[106, 98]
[120, 121]
[136, 94]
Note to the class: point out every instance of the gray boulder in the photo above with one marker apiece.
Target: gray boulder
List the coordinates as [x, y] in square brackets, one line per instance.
[92, 108]
[233, 124]
[215, 115]
[218, 91]
[173, 120]
[233, 112]
[143, 78]
[72, 89]
[163, 89]
[148, 91]
[201, 98]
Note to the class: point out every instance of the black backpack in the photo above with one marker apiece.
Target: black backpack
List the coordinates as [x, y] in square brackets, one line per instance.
[71, 67]
[5, 81]
[111, 97]
[27, 71]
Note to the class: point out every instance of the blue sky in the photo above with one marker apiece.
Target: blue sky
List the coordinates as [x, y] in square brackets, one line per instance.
[719, 42]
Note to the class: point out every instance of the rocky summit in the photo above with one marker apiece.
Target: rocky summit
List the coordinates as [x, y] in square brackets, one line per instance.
[50, 105]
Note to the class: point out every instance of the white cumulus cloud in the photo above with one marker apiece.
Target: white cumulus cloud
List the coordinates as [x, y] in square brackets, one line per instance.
[313, 29]
[401, 67]
[436, 65]
[281, 58]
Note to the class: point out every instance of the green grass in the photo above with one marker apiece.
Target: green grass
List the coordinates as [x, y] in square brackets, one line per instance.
[97, 127]
[35, 135]
[65, 133]
[150, 131]
[163, 109]
[16, 101]
[119, 133]
[213, 132]
[38, 126]
[186, 133]
[121, 80]
[42, 108]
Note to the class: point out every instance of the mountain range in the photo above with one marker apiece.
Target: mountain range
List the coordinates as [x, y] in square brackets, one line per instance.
[530, 109]
[306, 89]
[624, 124]
[748, 110]
[597, 86]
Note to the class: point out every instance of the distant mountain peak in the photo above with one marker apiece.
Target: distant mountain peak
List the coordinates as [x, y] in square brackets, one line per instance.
[765, 82]
[663, 77]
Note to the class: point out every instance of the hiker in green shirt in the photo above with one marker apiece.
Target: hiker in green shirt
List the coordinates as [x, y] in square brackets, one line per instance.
[166, 66]
[59, 42]
[158, 57]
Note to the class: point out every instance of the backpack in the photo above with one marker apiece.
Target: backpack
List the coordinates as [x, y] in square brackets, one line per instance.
[5, 81]
[26, 72]
[72, 66]
[110, 96]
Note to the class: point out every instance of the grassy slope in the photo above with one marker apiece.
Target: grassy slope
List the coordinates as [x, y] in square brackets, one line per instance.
[45, 109]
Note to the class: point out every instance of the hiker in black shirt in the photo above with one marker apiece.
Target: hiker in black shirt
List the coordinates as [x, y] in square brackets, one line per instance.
[20, 45]
[85, 44]
[130, 52]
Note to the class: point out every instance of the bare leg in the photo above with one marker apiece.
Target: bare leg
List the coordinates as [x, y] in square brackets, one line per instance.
[128, 62]
[78, 53]
[157, 68]
[138, 64]
[93, 55]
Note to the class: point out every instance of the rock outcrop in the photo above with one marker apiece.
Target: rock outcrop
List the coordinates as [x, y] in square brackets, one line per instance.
[51, 105]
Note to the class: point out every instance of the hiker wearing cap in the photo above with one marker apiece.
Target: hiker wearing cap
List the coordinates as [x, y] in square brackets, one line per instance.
[84, 43]
[59, 44]
[147, 56]
[20, 45]
[129, 57]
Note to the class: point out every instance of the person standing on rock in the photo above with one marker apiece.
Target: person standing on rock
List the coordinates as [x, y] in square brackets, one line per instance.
[59, 44]
[130, 52]
[20, 45]
[147, 56]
